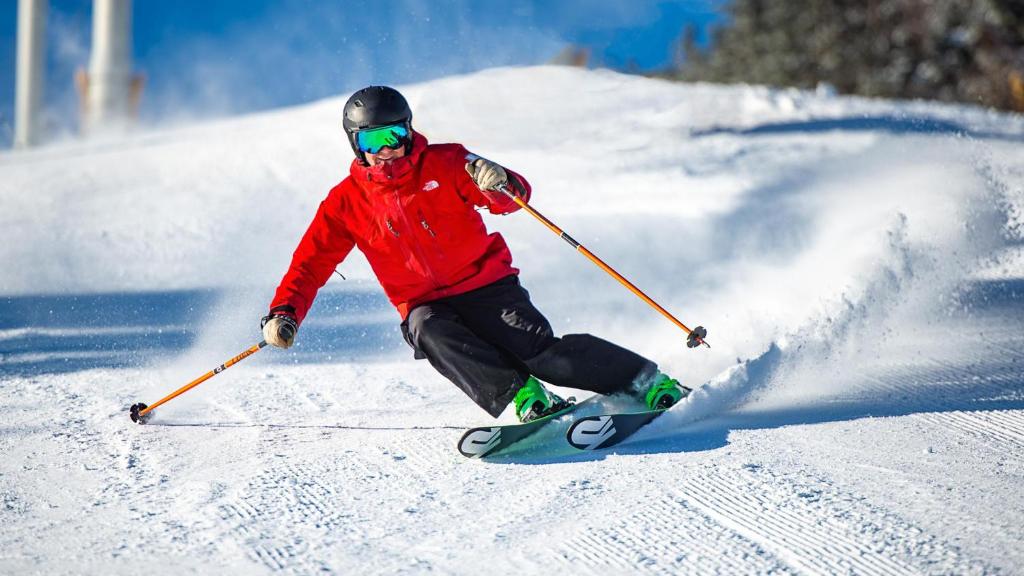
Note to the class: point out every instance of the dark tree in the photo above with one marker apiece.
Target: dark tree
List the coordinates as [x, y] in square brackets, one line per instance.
[954, 50]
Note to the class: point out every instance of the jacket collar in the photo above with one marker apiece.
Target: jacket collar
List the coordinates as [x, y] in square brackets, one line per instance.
[395, 172]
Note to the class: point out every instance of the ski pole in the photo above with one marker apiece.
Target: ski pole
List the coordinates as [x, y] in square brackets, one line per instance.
[140, 412]
[694, 337]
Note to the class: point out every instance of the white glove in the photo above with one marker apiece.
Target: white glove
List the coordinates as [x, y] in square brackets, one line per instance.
[486, 174]
[279, 331]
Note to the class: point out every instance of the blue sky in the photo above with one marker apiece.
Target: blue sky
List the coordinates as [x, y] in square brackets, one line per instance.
[205, 59]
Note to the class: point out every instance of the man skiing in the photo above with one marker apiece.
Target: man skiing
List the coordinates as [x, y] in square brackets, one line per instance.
[410, 207]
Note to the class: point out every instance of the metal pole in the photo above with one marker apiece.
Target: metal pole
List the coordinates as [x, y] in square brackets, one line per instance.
[695, 337]
[30, 72]
[139, 412]
[110, 65]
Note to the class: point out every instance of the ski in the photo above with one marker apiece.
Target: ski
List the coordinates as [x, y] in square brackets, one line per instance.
[487, 440]
[607, 430]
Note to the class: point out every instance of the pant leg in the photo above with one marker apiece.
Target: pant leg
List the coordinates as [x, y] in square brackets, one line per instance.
[502, 314]
[589, 363]
[485, 373]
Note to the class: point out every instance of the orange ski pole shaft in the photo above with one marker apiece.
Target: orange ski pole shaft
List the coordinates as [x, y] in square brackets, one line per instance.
[140, 411]
[695, 336]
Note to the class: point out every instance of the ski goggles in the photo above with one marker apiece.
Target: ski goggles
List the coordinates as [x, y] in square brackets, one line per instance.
[371, 141]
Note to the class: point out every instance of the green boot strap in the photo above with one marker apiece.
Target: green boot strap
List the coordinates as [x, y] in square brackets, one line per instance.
[656, 396]
[531, 392]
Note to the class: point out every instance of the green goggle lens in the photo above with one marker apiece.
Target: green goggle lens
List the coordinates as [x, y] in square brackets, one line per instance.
[371, 141]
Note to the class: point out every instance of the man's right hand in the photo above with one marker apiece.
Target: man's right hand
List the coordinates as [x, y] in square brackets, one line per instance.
[279, 330]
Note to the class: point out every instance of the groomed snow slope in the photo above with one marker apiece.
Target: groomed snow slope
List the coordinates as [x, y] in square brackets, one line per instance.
[858, 264]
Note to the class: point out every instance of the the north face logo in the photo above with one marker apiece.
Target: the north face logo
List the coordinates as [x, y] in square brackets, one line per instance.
[430, 185]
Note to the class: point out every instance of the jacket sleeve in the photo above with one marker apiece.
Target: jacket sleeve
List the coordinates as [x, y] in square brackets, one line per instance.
[324, 245]
[496, 202]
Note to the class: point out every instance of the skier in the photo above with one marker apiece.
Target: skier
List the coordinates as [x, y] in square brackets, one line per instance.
[410, 207]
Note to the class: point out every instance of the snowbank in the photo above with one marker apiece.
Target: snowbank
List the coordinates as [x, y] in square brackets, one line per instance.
[851, 259]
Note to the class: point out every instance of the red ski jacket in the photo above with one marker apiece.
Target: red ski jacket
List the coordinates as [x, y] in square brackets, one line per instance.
[415, 219]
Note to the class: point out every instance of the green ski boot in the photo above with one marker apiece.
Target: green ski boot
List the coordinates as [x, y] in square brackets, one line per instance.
[665, 392]
[534, 401]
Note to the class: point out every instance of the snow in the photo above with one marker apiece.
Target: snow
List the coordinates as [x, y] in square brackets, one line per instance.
[857, 263]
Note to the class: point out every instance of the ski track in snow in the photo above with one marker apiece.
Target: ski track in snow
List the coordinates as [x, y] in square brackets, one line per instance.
[1003, 430]
[846, 536]
[666, 536]
[857, 263]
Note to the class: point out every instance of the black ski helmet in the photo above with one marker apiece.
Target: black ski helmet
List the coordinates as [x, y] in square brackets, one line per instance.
[373, 107]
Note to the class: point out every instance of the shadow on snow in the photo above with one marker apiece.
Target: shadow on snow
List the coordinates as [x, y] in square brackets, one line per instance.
[892, 124]
[58, 334]
[48, 334]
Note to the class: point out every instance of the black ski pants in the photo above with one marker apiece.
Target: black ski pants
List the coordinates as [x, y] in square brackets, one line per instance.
[490, 340]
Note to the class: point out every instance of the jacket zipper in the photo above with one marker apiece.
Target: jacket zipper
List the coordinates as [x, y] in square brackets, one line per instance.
[423, 221]
[416, 245]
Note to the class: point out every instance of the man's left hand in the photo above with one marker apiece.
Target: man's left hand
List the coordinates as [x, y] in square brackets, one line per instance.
[486, 174]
